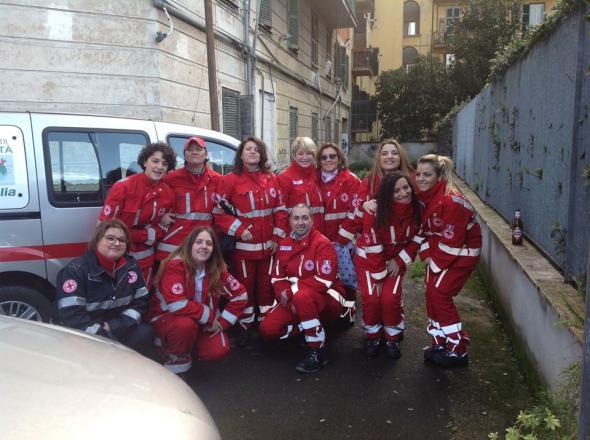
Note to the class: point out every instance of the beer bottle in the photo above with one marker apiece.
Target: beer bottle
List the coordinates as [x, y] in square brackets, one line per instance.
[517, 227]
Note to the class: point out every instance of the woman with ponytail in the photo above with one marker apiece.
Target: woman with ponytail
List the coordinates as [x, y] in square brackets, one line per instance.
[185, 310]
[385, 249]
[451, 247]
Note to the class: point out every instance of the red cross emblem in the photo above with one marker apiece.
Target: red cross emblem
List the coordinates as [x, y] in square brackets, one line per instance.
[177, 289]
[70, 286]
[107, 209]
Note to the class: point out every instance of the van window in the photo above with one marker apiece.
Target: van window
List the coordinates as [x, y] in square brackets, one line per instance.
[14, 187]
[82, 165]
[221, 156]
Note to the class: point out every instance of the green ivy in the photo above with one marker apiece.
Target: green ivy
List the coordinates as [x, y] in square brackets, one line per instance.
[518, 47]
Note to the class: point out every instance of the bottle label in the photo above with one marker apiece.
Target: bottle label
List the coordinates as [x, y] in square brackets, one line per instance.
[517, 233]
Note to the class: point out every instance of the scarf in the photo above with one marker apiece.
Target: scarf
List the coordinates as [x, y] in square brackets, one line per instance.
[328, 176]
[431, 198]
[109, 265]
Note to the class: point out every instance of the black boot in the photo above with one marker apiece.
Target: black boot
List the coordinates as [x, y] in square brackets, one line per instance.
[446, 359]
[372, 347]
[430, 351]
[393, 350]
[312, 363]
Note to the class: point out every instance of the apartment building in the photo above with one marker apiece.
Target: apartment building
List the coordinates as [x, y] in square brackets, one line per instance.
[392, 33]
[283, 66]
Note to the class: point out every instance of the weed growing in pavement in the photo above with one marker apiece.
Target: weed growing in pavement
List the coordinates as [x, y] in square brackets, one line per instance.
[555, 416]
[417, 270]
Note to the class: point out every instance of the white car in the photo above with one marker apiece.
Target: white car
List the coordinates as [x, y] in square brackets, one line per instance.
[58, 383]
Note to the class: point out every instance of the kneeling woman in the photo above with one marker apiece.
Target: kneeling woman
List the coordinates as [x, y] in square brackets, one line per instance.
[185, 310]
[451, 249]
[385, 249]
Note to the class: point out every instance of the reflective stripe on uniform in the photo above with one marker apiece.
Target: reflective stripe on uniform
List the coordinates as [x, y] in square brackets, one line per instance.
[460, 252]
[195, 216]
[229, 317]
[71, 301]
[143, 254]
[312, 323]
[109, 304]
[132, 313]
[335, 216]
[205, 316]
[405, 257]
[93, 329]
[151, 236]
[167, 247]
[254, 247]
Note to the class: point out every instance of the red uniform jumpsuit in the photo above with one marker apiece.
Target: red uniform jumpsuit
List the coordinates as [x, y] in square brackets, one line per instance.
[307, 271]
[183, 304]
[140, 205]
[452, 242]
[195, 197]
[353, 223]
[301, 185]
[258, 201]
[375, 247]
[339, 196]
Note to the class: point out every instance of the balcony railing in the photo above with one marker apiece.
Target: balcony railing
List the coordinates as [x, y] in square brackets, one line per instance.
[365, 62]
[441, 38]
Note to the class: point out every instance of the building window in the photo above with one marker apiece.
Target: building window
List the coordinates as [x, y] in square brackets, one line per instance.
[449, 59]
[293, 23]
[452, 15]
[293, 124]
[532, 15]
[314, 128]
[409, 57]
[337, 131]
[329, 59]
[314, 39]
[328, 128]
[266, 13]
[230, 101]
[411, 18]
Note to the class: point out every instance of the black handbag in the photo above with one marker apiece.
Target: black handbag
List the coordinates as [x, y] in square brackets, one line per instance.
[227, 243]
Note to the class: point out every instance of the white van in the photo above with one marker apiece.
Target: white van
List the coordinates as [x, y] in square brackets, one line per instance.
[55, 173]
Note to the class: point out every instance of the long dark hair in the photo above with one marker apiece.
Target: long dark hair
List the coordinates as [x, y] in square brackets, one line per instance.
[262, 164]
[215, 266]
[385, 199]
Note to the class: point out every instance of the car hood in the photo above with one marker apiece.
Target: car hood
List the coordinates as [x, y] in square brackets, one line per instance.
[64, 384]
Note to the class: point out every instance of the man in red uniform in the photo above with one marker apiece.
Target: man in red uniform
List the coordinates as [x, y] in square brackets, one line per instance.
[306, 285]
[196, 192]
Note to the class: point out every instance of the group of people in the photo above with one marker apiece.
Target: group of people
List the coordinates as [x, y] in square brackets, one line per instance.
[155, 274]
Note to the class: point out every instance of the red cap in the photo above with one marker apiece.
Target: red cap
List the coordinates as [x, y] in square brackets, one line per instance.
[195, 139]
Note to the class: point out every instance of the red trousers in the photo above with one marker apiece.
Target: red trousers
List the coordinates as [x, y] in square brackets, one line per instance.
[306, 312]
[183, 336]
[382, 310]
[444, 324]
[255, 275]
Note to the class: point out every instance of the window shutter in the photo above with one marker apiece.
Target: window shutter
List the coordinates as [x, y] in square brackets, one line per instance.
[314, 39]
[342, 63]
[266, 13]
[336, 132]
[314, 127]
[230, 100]
[293, 124]
[328, 129]
[293, 23]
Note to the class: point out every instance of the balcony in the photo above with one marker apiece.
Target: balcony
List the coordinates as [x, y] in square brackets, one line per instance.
[365, 62]
[339, 14]
[440, 39]
[363, 122]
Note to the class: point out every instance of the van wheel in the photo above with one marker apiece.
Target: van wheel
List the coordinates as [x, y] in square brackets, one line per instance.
[25, 303]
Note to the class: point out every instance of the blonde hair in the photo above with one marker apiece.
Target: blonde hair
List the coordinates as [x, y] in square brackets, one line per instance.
[303, 143]
[376, 174]
[443, 167]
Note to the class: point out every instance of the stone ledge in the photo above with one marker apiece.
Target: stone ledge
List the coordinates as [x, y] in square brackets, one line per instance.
[563, 298]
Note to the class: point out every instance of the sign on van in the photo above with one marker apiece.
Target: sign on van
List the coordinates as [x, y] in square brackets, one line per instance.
[14, 191]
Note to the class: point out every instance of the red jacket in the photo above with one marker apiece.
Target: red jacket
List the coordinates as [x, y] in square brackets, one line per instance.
[352, 225]
[451, 234]
[258, 201]
[140, 205]
[339, 197]
[310, 263]
[301, 185]
[182, 294]
[397, 241]
[195, 198]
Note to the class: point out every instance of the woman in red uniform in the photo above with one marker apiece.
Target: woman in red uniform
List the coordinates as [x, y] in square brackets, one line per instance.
[385, 249]
[254, 193]
[143, 202]
[451, 248]
[185, 309]
[195, 186]
[389, 157]
[299, 182]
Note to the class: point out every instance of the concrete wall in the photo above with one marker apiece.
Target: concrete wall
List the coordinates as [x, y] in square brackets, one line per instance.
[546, 314]
[524, 141]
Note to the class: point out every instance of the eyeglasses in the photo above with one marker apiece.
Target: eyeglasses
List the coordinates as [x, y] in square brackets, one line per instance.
[328, 156]
[111, 239]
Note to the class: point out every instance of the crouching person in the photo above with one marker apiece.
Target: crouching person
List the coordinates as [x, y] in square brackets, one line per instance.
[306, 285]
[185, 309]
[103, 292]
